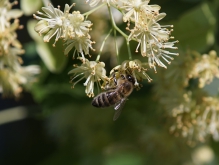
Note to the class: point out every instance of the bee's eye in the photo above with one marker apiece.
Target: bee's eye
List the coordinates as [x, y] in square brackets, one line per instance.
[130, 78]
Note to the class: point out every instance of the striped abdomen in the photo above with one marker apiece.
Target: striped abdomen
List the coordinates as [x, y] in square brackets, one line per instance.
[107, 99]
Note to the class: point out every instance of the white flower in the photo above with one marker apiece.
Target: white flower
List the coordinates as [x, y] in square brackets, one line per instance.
[27, 73]
[152, 37]
[79, 26]
[53, 22]
[11, 60]
[196, 120]
[156, 52]
[12, 75]
[209, 119]
[135, 8]
[206, 69]
[81, 44]
[71, 27]
[6, 14]
[11, 81]
[8, 25]
[147, 29]
[92, 71]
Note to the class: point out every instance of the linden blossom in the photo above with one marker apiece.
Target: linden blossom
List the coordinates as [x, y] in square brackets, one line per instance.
[92, 71]
[134, 8]
[74, 29]
[79, 26]
[152, 37]
[54, 19]
[81, 44]
[62, 24]
[12, 74]
[201, 124]
[71, 27]
[206, 69]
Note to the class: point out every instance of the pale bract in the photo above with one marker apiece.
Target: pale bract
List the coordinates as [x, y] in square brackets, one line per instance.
[94, 3]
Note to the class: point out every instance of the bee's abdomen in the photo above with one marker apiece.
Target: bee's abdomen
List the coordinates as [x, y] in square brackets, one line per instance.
[101, 100]
[113, 97]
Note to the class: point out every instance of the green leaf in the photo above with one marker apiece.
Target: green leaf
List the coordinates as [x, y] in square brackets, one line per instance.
[30, 6]
[195, 29]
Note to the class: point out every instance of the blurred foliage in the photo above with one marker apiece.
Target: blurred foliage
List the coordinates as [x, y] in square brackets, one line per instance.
[51, 56]
[29, 6]
[203, 17]
[86, 135]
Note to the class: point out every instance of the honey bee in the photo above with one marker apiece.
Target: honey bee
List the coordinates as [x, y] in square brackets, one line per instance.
[115, 96]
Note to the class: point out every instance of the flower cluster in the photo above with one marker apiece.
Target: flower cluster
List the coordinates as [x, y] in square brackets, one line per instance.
[195, 113]
[198, 120]
[71, 27]
[206, 68]
[142, 25]
[92, 71]
[12, 74]
[152, 37]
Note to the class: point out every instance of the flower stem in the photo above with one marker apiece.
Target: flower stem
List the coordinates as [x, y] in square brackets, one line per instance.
[104, 41]
[93, 10]
[116, 46]
[114, 24]
[129, 50]
[121, 32]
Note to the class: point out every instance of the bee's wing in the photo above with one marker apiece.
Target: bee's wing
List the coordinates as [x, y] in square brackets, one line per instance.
[118, 108]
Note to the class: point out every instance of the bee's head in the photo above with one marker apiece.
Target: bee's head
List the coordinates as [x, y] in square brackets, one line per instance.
[128, 77]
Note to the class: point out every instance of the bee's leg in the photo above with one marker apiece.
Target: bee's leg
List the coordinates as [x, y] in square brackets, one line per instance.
[109, 88]
[112, 84]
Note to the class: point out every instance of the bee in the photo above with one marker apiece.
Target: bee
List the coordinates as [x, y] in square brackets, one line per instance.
[115, 96]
